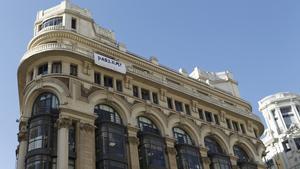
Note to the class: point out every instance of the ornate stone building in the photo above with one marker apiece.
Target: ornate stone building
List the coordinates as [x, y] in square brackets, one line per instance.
[282, 137]
[86, 102]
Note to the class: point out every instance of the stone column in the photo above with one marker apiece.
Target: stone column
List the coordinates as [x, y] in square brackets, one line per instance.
[205, 159]
[22, 138]
[86, 149]
[63, 143]
[171, 150]
[133, 142]
[233, 160]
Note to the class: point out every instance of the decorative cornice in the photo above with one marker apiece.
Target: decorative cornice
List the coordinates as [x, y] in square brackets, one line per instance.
[64, 123]
[87, 127]
[22, 136]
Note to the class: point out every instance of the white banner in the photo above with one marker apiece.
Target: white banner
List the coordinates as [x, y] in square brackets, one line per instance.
[109, 63]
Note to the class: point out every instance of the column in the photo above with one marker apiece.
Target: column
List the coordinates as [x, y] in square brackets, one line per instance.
[86, 149]
[133, 142]
[233, 160]
[205, 159]
[171, 150]
[22, 138]
[63, 143]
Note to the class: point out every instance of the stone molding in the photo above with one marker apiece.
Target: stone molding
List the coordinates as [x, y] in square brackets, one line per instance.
[171, 150]
[87, 127]
[133, 140]
[22, 136]
[64, 123]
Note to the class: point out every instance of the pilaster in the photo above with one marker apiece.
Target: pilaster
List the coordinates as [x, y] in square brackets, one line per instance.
[171, 152]
[205, 159]
[133, 143]
[86, 146]
[63, 125]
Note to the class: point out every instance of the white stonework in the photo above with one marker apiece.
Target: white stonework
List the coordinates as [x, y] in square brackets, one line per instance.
[281, 112]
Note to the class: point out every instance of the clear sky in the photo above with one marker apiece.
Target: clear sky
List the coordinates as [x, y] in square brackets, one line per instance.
[257, 40]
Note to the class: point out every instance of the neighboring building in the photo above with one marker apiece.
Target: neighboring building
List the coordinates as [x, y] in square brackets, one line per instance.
[86, 102]
[282, 137]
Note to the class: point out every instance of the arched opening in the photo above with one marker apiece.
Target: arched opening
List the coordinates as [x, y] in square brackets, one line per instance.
[110, 139]
[243, 162]
[151, 145]
[219, 159]
[42, 133]
[188, 156]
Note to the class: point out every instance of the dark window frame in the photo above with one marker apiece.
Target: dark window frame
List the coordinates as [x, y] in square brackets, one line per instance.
[135, 91]
[145, 93]
[43, 69]
[56, 67]
[119, 85]
[178, 106]
[97, 78]
[108, 81]
[155, 98]
[73, 70]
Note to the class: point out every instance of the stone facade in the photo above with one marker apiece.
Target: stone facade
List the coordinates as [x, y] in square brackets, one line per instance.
[59, 67]
[282, 137]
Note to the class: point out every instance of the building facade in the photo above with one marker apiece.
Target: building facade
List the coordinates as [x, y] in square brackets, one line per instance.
[86, 102]
[282, 137]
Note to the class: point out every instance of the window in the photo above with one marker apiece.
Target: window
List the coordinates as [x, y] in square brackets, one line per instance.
[286, 146]
[151, 146]
[208, 116]
[228, 124]
[200, 112]
[42, 135]
[108, 81]
[181, 136]
[241, 154]
[215, 153]
[288, 116]
[46, 103]
[155, 98]
[56, 67]
[135, 90]
[187, 154]
[73, 70]
[187, 109]
[298, 108]
[43, 69]
[51, 22]
[243, 128]
[110, 138]
[235, 126]
[178, 106]
[145, 94]
[107, 113]
[297, 142]
[170, 103]
[119, 85]
[73, 23]
[216, 119]
[97, 78]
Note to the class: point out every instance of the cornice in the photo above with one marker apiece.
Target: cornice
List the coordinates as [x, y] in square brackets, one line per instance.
[114, 51]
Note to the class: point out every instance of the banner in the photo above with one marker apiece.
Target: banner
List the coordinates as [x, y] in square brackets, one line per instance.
[109, 63]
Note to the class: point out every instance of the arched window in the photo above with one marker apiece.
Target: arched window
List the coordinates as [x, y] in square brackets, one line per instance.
[219, 160]
[188, 156]
[45, 103]
[244, 161]
[151, 147]
[51, 22]
[110, 139]
[42, 137]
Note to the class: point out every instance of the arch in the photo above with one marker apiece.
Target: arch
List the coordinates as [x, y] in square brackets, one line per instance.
[116, 102]
[244, 143]
[186, 124]
[217, 134]
[50, 85]
[155, 115]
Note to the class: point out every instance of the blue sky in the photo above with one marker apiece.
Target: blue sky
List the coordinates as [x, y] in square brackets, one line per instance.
[256, 40]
